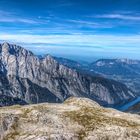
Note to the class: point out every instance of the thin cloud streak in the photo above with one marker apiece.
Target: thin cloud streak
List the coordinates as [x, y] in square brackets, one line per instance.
[84, 46]
[13, 20]
[9, 17]
[119, 16]
[87, 40]
[90, 24]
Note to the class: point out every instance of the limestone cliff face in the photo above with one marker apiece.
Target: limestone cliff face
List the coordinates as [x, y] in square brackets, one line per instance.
[29, 78]
[75, 119]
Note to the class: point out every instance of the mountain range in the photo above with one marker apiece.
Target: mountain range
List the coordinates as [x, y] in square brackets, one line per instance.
[26, 79]
[126, 71]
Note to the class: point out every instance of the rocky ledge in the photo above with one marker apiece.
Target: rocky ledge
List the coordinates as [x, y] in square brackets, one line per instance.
[75, 119]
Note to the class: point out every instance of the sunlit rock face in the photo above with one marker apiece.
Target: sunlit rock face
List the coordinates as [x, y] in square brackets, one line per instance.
[34, 80]
[75, 119]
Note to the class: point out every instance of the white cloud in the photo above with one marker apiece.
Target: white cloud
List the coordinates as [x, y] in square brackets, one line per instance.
[119, 16]
[82, 46]
[13, 18]
[91, 24]
[16, 19]
[77, 39]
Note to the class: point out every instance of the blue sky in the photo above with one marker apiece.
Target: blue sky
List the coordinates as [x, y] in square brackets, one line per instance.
[77, 29]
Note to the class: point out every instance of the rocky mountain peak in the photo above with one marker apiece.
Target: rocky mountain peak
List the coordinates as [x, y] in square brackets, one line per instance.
[12, 49]
[5, 47]
[48, 58]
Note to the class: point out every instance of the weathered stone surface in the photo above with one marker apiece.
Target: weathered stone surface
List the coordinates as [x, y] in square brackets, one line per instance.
[75, 119]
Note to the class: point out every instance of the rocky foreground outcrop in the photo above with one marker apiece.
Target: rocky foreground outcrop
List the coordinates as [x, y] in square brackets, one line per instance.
[75, 119]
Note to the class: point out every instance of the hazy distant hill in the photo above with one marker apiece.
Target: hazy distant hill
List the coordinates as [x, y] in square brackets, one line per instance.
[126, 71]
